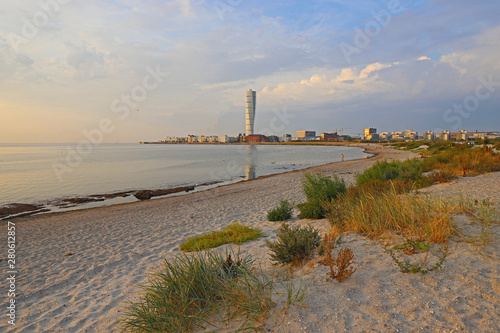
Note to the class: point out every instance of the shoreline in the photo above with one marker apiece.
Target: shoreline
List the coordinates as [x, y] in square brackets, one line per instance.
[80, 267]
[92, 201]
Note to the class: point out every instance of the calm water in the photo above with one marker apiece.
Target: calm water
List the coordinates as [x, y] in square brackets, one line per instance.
[34, 173]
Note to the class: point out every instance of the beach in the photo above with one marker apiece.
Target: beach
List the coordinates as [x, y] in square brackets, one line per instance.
[77, 269]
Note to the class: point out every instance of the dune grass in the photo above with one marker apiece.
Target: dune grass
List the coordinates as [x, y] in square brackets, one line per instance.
[190, 290]
[235, 233]
[374, 213]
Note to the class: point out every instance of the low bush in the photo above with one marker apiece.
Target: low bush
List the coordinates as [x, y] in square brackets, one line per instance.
[311, 210]
[408, 173]
[282, 212]
[294, 244]
[191, 289]
[234, 233]
[318, 189]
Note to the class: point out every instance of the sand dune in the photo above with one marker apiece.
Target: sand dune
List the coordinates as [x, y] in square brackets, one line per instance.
[77, 269]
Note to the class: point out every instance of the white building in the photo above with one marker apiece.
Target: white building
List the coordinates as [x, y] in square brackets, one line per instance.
[250, 110]
[463, 135]
[409, 135]
[445, 135]
[429, 135]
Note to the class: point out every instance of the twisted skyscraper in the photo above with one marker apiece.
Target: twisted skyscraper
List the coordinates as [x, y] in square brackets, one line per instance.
[250, 114]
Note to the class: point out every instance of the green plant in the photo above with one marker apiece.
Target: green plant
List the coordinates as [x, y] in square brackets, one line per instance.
[421, 266]
[311, 210]
[294, 244]
[319, 189]
[282, 212]
[234, 233]
[411, 247]
[191, 289]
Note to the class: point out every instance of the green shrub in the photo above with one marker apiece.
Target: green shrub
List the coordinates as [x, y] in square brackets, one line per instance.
[311, 210]
[234, 233]
[294, 244]
[408, 172]
[319, 189]
[192, 289]
[282, 212]
[382, 170]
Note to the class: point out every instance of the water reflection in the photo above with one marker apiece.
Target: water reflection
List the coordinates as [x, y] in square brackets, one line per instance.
[251, 161]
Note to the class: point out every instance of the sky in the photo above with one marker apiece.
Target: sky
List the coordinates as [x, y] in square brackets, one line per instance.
[127, 71]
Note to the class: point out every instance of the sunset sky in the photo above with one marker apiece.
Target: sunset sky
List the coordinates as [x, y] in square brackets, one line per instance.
[173, 68]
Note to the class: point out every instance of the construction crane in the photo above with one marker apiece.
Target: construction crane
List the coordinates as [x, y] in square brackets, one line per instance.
[342, 130]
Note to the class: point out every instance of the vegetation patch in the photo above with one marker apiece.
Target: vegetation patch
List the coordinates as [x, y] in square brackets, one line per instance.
[234, 233]
[374, 213]
[319, 189]
[191, 289]
[422, 265]
[294, 244]
[282, 212]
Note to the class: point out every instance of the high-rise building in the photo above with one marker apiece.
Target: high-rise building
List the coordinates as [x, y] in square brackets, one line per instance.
[369, 132]
[445, 135]
[250, 111]
[429, 136]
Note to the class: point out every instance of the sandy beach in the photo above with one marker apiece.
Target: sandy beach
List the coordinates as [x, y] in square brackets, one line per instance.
[76, 269]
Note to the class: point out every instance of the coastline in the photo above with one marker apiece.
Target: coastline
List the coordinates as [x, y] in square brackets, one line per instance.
[79, 267]
[14, 210]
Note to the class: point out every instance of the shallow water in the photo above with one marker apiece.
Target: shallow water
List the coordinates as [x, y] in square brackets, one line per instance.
[35, 173]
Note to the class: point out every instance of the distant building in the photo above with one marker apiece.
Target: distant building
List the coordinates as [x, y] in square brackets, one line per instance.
[429, 135]
[463, 135]
[445, 135]
[409, 135]
[257, 138]
[250, 110]
[368, 132]
[329, 137]
[306, 134]
[286, 138]
[273, 138]
[397, 136]
[385, 136]
[226, 139]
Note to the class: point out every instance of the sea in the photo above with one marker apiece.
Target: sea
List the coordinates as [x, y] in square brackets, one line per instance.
[46, 173]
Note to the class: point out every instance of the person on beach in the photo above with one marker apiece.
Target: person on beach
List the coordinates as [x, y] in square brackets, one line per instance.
[342, 157]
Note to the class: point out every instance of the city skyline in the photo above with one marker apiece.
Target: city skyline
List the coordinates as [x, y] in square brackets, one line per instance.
[142, 71]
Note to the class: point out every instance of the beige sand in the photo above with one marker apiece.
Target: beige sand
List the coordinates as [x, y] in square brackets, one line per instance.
[115, 247]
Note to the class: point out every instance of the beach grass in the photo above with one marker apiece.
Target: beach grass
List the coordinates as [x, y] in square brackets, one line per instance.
[235, 233]
[190, 290]
[374, 213]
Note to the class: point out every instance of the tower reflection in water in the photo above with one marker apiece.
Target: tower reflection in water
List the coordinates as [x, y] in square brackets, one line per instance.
[251, 157]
